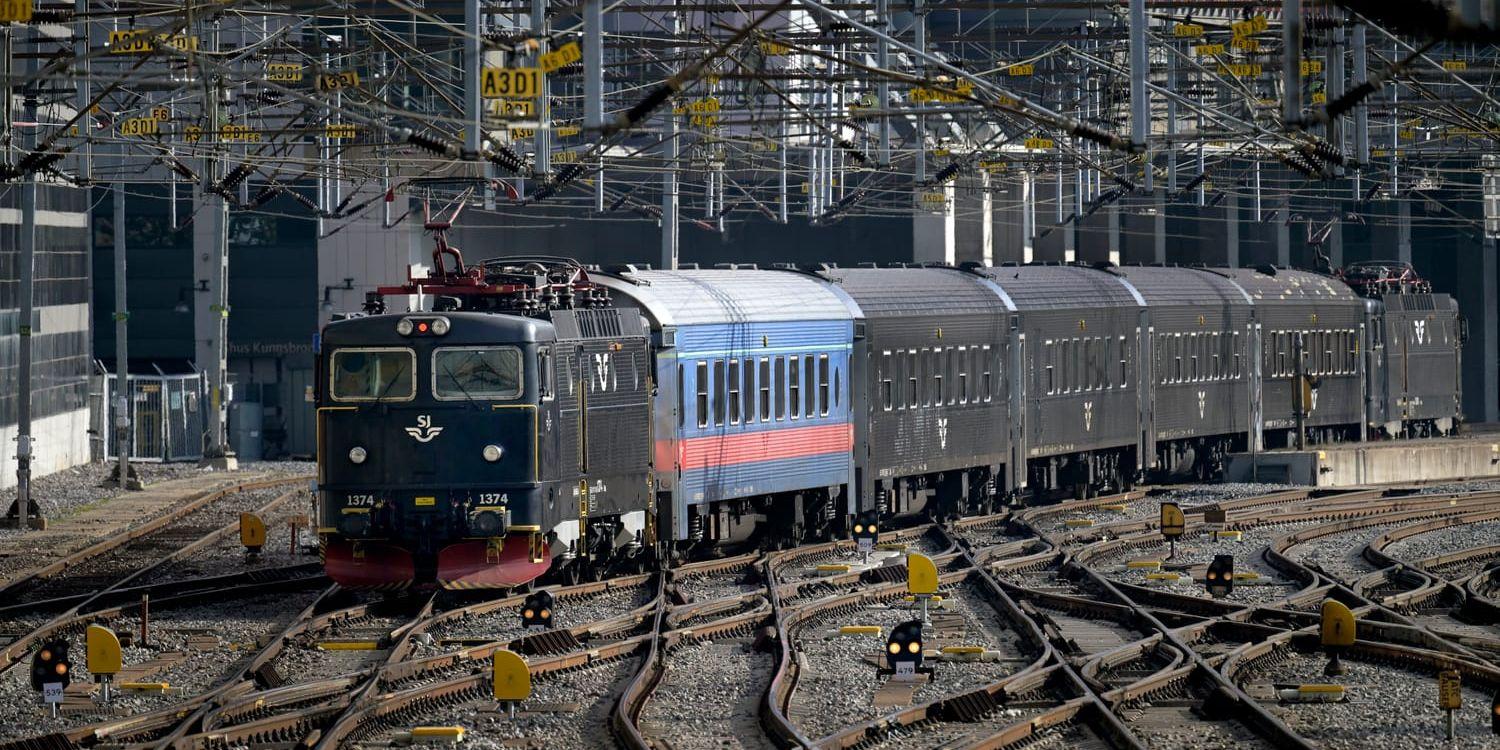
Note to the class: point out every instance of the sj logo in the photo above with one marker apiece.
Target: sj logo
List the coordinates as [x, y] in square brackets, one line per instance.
[424, 431]
[602, 365]
[1088, 416]
[943, 432]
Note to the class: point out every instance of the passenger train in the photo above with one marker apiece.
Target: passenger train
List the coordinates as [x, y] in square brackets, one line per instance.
[531, 414]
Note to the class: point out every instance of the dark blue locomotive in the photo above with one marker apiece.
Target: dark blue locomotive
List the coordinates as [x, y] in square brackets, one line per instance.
[543, 416]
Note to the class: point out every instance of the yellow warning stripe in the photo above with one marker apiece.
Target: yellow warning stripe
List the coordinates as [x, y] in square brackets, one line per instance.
[349, 645]
[860, 630]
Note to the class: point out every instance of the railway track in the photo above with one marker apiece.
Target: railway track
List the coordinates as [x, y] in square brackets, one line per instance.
[1078, 649]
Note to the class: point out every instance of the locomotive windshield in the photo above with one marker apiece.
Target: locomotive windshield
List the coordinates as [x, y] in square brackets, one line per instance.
[476, 372]
[376, 374]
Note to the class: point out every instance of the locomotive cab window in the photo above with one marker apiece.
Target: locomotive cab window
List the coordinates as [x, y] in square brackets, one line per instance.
[476, 372]
[374, 374]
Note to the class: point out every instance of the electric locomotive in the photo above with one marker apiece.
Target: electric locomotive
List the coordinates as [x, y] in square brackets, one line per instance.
[471, 446]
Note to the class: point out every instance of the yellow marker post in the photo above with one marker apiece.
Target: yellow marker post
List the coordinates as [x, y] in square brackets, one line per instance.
[859, 630]
[510, 679]
[1337, 632]
[252, 532]
[438, 734]
[921, 579]
[1173, 524]
[1450, 696]
[104, 658]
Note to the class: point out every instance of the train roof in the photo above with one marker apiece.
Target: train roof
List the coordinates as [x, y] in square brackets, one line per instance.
[1061, 287]
[731, 296]
[467, 328]
[917, 292]
[1287, 285]
[1163, 285]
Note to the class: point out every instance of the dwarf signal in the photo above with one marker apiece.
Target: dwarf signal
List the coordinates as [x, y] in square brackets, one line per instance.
[903, 651]
[536, 611]
[1220, 578]
[866, 531]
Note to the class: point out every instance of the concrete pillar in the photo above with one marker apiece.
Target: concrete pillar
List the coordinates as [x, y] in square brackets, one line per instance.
[986, 219]
[932, 233]
[1159, 226]
[1232, 230]
[1028, 217]
[1403, 229]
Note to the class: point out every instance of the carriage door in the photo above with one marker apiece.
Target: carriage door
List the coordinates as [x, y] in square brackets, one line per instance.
[1020, 371]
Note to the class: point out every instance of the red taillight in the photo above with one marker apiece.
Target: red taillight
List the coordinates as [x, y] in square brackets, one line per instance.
[421, 328]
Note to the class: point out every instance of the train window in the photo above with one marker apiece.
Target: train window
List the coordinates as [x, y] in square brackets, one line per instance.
[1326, 339]
[734, 391]
[682, 397]
[1050, 376]
[823, 384]
[384, 374]
[939, 369]
[778, 377]
[836, 387]
[794, 384]
[1176, 358]
[719, 392]
[812, 387]
[544, 373]
[476, 372]
[961, 372]
[987, 384]
[887, 398]
[1124, 371]
[1239, 360]
[911, 379]
[765, 389]
[747, 371]
[1280, 368]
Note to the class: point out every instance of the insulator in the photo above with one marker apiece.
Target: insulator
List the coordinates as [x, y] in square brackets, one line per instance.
[647, 105]
[507, 159]
[263, 197]
[429, 143]
[235, 177]
[1089, 132]
[1124, 182]
[1193, 183]
[1327, 152]
[1351, 98]
[947, 173]
[854, 153]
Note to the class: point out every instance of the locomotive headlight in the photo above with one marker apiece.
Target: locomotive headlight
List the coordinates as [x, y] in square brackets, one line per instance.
[492, 453]
[487, 523]
[405, 327]
[440, 326]
[357, 455]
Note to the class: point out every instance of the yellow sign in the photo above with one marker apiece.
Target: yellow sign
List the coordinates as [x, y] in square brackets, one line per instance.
[940, 152]
[1450, 690]
[993, 166]
[565, 55]
[565, 157]
[519, 83]
[704, 121]
[15, 11]
[1338, 626]
[340, 131]
[1240, 70]
[1037, 144]
[1006, 101]
[961, 91]
[1205, 50]
[1245, 43]
[1021, 69]
[765, 145]
[338, 79]
[1187, 30]
[775, 49]
[141, 41]
[238, 134]
[510, 680]
[1456, 66]
[706, 105]
[140, 126]
[252, 531]
[1252, 25]
[1173, 523]
[1319, 97]
[1312, 67]
[103, 650]
[921, 574]
[1407, 134]
[284, 72]
[161, 114]
[192, 134]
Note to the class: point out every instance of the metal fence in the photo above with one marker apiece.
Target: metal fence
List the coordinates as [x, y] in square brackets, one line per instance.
[166, 418]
